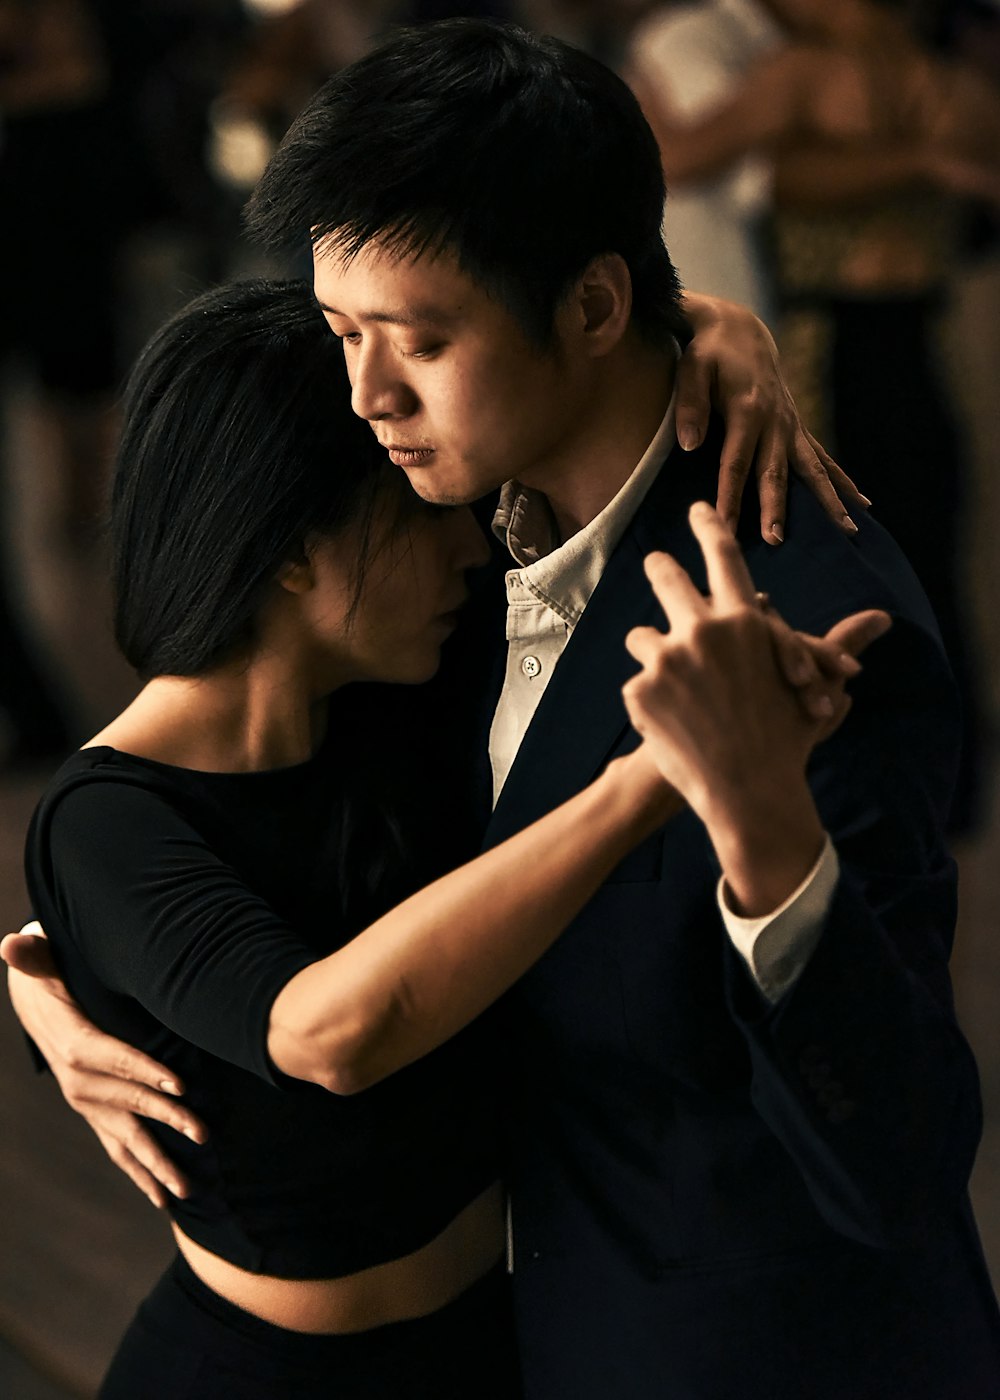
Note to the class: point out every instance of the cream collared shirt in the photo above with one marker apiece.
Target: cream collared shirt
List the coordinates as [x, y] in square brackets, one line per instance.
[547, 594]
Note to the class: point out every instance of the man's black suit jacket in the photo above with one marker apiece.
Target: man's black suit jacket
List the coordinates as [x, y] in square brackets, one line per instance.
[714, 1197]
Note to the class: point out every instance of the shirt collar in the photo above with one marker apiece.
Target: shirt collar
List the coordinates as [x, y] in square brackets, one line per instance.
[565, 576]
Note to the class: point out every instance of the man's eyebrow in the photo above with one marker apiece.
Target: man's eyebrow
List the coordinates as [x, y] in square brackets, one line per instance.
[413, 316]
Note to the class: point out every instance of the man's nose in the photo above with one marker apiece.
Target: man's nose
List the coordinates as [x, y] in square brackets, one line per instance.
[377, 389]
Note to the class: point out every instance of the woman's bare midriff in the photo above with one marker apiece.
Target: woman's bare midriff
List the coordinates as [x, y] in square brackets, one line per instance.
[414, 1286]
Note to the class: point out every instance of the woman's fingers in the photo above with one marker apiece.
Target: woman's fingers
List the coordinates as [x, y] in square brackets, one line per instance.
[793, 653]
[693, 399]
[730, 585]
[735, 461]
[855, 633]
[681, 602]
[809, 466]
[729, 580]
[772, 484]
[645, 645]
[844, 486]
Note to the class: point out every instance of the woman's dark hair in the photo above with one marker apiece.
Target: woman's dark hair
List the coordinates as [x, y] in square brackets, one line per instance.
[239, 445]
[521, 155]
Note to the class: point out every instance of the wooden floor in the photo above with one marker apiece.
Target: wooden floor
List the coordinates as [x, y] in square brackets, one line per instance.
[78, 1245]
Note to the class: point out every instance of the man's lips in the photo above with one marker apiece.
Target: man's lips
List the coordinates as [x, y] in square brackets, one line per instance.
[407, 456]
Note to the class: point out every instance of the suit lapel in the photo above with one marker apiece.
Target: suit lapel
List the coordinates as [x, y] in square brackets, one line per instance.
[581, 717]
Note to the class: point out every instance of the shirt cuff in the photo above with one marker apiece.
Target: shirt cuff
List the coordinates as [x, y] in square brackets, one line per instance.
[776, 947]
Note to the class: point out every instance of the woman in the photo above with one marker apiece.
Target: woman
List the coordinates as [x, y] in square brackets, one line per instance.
[232, 827]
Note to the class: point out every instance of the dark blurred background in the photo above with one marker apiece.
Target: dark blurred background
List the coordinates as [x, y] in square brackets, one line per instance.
[130, 134]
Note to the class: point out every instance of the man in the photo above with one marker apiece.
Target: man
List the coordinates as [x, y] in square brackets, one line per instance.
[741, 1124]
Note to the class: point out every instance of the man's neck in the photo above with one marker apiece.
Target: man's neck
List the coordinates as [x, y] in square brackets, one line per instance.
[633, 397]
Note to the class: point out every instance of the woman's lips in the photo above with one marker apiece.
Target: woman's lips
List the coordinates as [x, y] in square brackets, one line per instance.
[409, 456]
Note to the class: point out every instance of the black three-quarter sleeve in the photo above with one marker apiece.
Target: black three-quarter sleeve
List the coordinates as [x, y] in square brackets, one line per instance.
[129, 881]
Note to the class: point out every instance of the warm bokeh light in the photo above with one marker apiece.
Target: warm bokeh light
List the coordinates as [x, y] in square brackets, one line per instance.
[272, 7]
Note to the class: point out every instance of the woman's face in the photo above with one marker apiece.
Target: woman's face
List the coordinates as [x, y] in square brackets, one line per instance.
[413, 586]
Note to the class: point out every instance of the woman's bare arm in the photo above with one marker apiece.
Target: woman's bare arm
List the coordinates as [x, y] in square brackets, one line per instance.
[732, 364]
[430, 966]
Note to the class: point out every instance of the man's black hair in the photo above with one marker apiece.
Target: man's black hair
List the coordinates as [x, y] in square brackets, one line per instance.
[520, 155]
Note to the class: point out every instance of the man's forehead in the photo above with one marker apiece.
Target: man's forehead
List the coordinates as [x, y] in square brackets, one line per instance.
[377, 286]
[413, 315]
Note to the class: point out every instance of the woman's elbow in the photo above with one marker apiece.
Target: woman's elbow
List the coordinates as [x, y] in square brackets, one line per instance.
[336, 1061]
[344, 1053]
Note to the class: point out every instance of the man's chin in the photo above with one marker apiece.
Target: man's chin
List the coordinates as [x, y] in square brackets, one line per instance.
[439, 493]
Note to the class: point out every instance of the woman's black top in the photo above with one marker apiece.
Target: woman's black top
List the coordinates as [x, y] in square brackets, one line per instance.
[178, 904]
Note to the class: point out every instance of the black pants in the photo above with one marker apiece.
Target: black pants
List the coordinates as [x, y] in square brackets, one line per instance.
[187, 1343]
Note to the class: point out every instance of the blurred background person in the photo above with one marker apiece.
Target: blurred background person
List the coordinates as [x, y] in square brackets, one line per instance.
[689, 61]
[874, 144]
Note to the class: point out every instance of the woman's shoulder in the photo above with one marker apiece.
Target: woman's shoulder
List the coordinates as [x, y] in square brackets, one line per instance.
[100, 791]
[103, 771]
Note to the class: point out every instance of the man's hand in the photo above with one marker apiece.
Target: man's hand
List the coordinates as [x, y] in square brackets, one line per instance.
[106, 1081]
[722, 725]
[732, 363]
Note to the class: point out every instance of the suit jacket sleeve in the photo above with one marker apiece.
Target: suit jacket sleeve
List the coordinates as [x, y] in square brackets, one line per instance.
[861, 1070]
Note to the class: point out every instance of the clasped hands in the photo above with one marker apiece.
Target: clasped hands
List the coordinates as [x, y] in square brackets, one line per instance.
[730, 704]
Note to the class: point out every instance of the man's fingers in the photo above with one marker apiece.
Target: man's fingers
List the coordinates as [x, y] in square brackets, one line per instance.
[729, 578]
[125, 1129]
[28, 953]
[795, 660]
[154, 1192]
[118, 1095]
[855, 633]
[680, 600]
[841, 709]
[834, 663]
[104, 1055]
[815, 671]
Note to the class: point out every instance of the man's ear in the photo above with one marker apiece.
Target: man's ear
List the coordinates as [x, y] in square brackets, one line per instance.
[296, 576]
[599, 307]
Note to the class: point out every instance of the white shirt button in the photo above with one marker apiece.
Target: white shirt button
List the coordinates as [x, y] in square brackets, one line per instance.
[532, 667]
